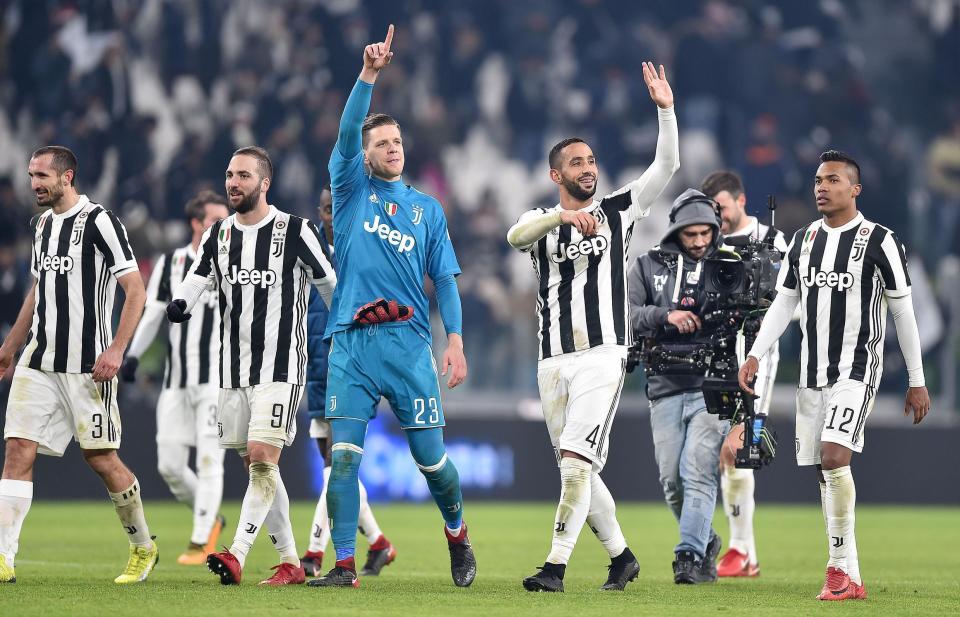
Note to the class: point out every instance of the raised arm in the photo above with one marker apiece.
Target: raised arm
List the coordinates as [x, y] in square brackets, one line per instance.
[375, 57]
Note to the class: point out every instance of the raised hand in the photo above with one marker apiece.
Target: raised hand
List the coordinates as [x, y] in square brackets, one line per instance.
[585, 222]
[657, 84]
[378, 55]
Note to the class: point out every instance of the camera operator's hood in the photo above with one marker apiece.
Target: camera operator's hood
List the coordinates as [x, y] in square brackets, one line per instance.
[691, 208]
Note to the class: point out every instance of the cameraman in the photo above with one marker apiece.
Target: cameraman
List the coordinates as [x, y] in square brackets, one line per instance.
[666, 289]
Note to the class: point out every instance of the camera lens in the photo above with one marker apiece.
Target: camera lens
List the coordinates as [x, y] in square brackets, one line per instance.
[728, 277]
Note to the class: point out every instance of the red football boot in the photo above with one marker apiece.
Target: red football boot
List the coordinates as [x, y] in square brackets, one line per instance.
[735, 563]
[226, 566]
[286, 574]
[837, 586]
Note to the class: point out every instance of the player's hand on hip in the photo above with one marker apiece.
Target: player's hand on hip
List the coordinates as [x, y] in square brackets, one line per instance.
[657, 84]
[685, 321]
[454, 361]
[748, 372]
[585, 222]
[107, 364]
[918, 402]
[378, 55]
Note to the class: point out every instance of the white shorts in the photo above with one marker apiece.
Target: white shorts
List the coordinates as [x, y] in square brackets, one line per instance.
[188, 415]
[320, 429]
[836, 414]
[51, 408]
[579, 393]
[265, 412]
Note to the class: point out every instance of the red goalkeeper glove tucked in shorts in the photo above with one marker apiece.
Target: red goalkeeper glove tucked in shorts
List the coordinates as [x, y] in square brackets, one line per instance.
[382, 311]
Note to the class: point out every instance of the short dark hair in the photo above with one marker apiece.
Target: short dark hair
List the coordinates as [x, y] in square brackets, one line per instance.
[264, 164]
[554, 157]
[720, 181]
[63, 159]
[373, 121]
[195, 209]
[843, 157]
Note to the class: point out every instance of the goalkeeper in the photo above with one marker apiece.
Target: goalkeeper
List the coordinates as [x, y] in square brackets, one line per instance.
[388, 235]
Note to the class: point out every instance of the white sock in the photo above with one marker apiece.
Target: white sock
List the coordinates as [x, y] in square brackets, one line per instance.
[209, 492]
[173, 464]
[841, 498]
[257, 501]
[573, 508]
[130, 510]
[15, 499]
[320, 532]
[279, 527]
[737, 486]
[367, 524]
[602, 517]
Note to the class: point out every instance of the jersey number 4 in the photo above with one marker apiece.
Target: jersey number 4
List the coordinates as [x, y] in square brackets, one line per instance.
[592, 437]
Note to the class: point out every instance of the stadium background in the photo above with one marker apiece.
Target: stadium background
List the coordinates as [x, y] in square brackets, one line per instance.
[153, 96]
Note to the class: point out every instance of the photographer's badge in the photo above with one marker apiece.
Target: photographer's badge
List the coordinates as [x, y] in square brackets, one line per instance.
[693, 277]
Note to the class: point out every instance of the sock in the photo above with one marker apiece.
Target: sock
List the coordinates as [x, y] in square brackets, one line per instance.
[172, 463]
[443, 481]
[343, 498]
[572, 511]
[15, 499]
[261, 491]
[320, 532]
[737, 486]
[841, 497]
[279, 527]
[130, 510]
[366, 523]
[602, 517]
[209, 492]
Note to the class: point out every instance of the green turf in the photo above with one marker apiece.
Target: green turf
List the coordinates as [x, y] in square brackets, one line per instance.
[69, 554]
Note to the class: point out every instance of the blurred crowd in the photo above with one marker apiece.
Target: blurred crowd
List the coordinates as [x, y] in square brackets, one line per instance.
[154, 95]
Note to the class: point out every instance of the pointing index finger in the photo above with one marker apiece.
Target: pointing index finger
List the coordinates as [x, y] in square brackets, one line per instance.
[388, 40]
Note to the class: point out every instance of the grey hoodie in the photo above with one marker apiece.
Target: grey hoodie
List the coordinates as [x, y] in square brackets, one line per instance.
[655, 288]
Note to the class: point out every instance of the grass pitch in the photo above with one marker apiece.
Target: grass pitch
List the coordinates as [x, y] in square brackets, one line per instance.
[70, 552]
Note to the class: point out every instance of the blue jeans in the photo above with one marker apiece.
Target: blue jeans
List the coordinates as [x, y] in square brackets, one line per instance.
[687, 444]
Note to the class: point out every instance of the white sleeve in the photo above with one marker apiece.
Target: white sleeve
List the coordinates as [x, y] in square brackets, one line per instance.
[909, 338]
[111, 240]
[153, 313]
[201, 271]
[775, 321]
[648, 186]
[531, 226]
[314, 261]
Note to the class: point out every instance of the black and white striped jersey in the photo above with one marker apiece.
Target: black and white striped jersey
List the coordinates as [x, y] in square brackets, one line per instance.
[582, 299]
[262, 272]
[193, 349]
[77, 258]
[843, 277]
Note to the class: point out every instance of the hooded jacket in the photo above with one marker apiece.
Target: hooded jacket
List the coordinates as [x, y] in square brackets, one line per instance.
[666, 278]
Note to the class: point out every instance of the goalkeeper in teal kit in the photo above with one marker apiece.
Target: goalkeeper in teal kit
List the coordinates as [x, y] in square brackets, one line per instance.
[387, 236]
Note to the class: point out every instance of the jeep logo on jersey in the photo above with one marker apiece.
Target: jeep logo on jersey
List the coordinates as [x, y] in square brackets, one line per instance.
[841, 281]
[55, 263]
[402, 241]
[595, 245]
[242, 276]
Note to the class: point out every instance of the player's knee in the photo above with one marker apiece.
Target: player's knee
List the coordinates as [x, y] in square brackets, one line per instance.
[19, 455]
[345, 461]
[263, 453]
[834, 456]
[169, 470]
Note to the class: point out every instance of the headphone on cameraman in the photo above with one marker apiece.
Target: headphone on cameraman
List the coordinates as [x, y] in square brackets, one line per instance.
[696, 197]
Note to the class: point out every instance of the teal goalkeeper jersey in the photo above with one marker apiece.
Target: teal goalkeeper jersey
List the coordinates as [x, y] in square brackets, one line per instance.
[387, 235]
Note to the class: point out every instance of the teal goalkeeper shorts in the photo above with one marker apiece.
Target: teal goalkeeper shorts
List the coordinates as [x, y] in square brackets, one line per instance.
[392, 361]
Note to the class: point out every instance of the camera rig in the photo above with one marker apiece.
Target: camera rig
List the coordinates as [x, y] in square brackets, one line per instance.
[739, 287]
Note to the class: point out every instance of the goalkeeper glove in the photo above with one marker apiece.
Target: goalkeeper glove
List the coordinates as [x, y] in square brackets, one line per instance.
[382, 311]
[128, 370]
[177, 311]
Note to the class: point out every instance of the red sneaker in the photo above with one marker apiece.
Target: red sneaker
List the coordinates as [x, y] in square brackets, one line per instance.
[859, 591]
[311, 562]
[226, 566]
[286, 574]
[837, 586]
[735, 563]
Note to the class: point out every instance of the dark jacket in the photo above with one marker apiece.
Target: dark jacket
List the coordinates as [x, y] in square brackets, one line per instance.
[653, 289]
[317, 348]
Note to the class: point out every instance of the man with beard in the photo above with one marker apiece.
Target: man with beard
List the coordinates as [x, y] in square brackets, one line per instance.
[65, 383]
[262, 261]
[579, 251]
